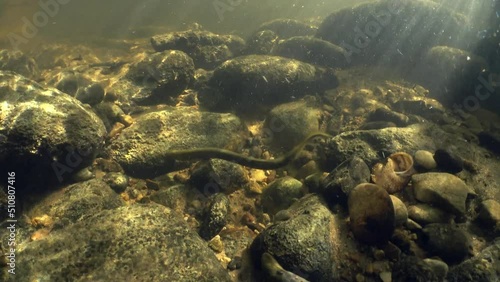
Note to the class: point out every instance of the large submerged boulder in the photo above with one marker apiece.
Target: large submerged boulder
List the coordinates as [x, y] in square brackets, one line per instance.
[391, 31]
[142, 148]
[132, 243]
[44, 132]
[207, 49]
[260, 80]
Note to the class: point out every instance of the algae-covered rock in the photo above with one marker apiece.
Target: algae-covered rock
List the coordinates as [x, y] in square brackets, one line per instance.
[161, 76]
[281, 194]
[303, 244]
[392, 31]
[79, 201]
[484, 266]
[48, 135]
[286, 28]
[286, 125]
[206, 48]
[18, 62]
[311, 50]
[451, 74]
[138, 242]
[142, 148]
[258, 80]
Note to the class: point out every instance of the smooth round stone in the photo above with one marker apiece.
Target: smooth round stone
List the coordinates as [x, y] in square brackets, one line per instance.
[425, 159]
[400, 211]
[426, 214]
[371, 213]
[440, 268]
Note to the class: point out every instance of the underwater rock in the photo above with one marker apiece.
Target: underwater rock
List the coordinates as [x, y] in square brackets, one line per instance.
[311, 50]
[425, 214]
[336, 187]
[69, 82]
[387, 115]
[48, 134]
[173, 197]
[400, 211]
[262, 43]
[92, 94]
[276, 272]
[110, 113]
[142, 148]
[79, 86]
[18, 62]
[286, 28]
[216, 216]
[490, 141]
[83, 174]
[439, 267]
[376, 125]
[313, 255]
[442, 189]
[387, 31]
[482, 267]
[412, 268]
[371, 213]
[78, 202]
[207, 49]
[395, 174]
[118, 181]
[161, 76]
[451, 243]
[256, 81]
[450, 74]
[281, 194]
[489, 214]
[116, 245]
[288, 124]
[448, 162]
[216, 175]
[425, 160]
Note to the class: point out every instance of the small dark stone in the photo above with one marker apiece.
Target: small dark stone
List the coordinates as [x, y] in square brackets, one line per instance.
[448, 162]
[339, 183]
[215, 217]
[490, 141]
[449, 242]
[235, 263]
[92, 94]
[117, 181]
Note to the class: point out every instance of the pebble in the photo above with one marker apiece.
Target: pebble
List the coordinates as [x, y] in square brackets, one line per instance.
[281, 194]
[425, 159]
[448, 162]
[442, 189]
[426, 214]
[117, 181]
[489, 214]
[235, 263]
[440, 268]
[400, 211]
[386, 276]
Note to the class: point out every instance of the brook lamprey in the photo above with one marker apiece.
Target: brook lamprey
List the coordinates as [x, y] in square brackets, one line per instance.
[216, 153]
